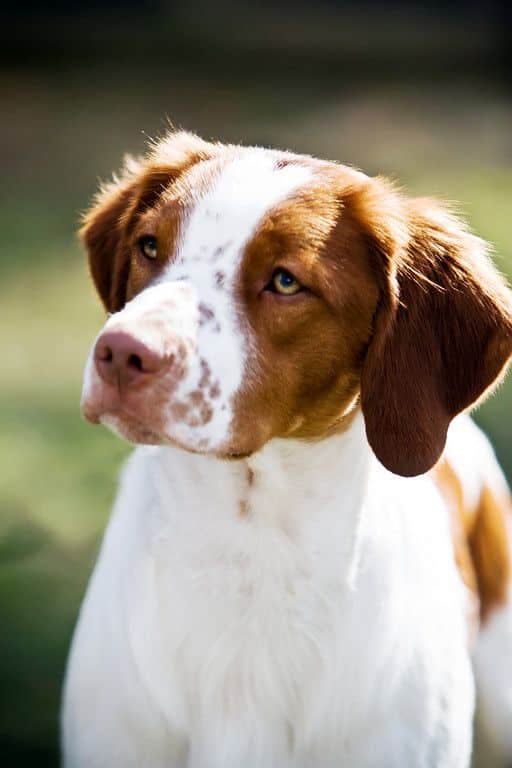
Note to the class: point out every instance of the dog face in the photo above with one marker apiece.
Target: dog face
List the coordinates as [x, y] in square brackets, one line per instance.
[258, 294]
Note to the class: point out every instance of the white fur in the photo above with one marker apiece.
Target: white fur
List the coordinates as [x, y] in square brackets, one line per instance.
[323, 628]
[222, 221]
[297, 609]
[472, 456]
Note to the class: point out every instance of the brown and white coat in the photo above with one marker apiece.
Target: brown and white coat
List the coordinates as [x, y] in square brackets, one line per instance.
[277, 588]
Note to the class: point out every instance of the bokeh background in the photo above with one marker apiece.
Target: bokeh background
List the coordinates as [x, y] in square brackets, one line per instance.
[418, 91]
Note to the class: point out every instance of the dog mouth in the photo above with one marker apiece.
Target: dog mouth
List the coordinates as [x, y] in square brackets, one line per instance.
[138, 425]
[132, 429]
[136, 432]
[123, 417]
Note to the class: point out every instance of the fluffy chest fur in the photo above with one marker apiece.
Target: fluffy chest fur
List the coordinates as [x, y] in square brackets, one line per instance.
[280, 631]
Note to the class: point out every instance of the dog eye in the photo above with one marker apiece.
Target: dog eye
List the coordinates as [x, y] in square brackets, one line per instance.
[284, 282]
[148, 247]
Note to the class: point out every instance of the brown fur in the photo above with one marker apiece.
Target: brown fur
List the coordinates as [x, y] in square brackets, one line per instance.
[481, 541]
[443, 335]
[117, 269]
[402, 313]
[412, 317]
[490, 549]
[311, 346]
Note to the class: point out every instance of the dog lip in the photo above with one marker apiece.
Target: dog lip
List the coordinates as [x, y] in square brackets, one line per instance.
[131, 427]
[110, 402]
[135, 431]
[90, 414]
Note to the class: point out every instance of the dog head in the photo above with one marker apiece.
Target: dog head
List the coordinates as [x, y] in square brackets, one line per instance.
[258, 294]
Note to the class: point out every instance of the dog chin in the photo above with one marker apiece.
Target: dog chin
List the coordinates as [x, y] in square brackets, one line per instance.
[134, 431]
[130, 429]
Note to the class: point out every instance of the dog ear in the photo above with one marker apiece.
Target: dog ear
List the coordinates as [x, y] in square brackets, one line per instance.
[442, 331]
[105, 224]
[102, 234]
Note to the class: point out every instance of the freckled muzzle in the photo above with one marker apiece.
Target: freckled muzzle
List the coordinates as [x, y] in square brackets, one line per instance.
[140, 361]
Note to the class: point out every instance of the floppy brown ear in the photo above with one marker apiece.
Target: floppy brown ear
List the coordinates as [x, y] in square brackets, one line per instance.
[139, 183]
[442, 333]
[102, 235]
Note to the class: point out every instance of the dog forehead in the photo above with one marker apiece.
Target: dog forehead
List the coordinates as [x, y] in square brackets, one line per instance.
[227, 212]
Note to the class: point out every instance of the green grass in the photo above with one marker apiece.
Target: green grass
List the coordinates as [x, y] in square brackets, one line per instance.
[58, 474]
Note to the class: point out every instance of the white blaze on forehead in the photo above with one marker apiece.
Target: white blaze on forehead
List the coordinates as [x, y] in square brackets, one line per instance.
[208, 258]
[247, 187]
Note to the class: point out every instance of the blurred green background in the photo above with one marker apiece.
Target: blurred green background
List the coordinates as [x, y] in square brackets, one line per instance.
[419, 94]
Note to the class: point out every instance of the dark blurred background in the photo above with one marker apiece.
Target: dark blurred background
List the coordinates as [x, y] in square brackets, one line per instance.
[419, 91]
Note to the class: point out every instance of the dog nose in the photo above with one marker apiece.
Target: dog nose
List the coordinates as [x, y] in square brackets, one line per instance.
[122, 360]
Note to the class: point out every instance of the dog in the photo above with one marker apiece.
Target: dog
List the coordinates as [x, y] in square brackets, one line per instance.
[308, 562]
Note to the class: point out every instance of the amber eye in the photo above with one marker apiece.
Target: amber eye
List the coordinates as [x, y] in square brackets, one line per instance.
[285, 283]
[148, 247]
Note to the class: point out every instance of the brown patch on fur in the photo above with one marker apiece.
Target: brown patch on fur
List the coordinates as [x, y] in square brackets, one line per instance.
[244, 508]
[206, 314]
[205, 374]
[206, 414]
[215, 391]
[200, 412]
[309, 349]
[410, 313]
[180, 410]
[125, 210]
[490, 550]
[196, 397]
[194, 411]
[481, 542]
[250, 477]
[461, 521]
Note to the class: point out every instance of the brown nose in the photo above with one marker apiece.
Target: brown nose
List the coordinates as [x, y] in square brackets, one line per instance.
[122, 360]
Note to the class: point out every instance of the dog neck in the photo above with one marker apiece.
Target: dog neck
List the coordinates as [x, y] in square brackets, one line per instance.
[307, 496]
